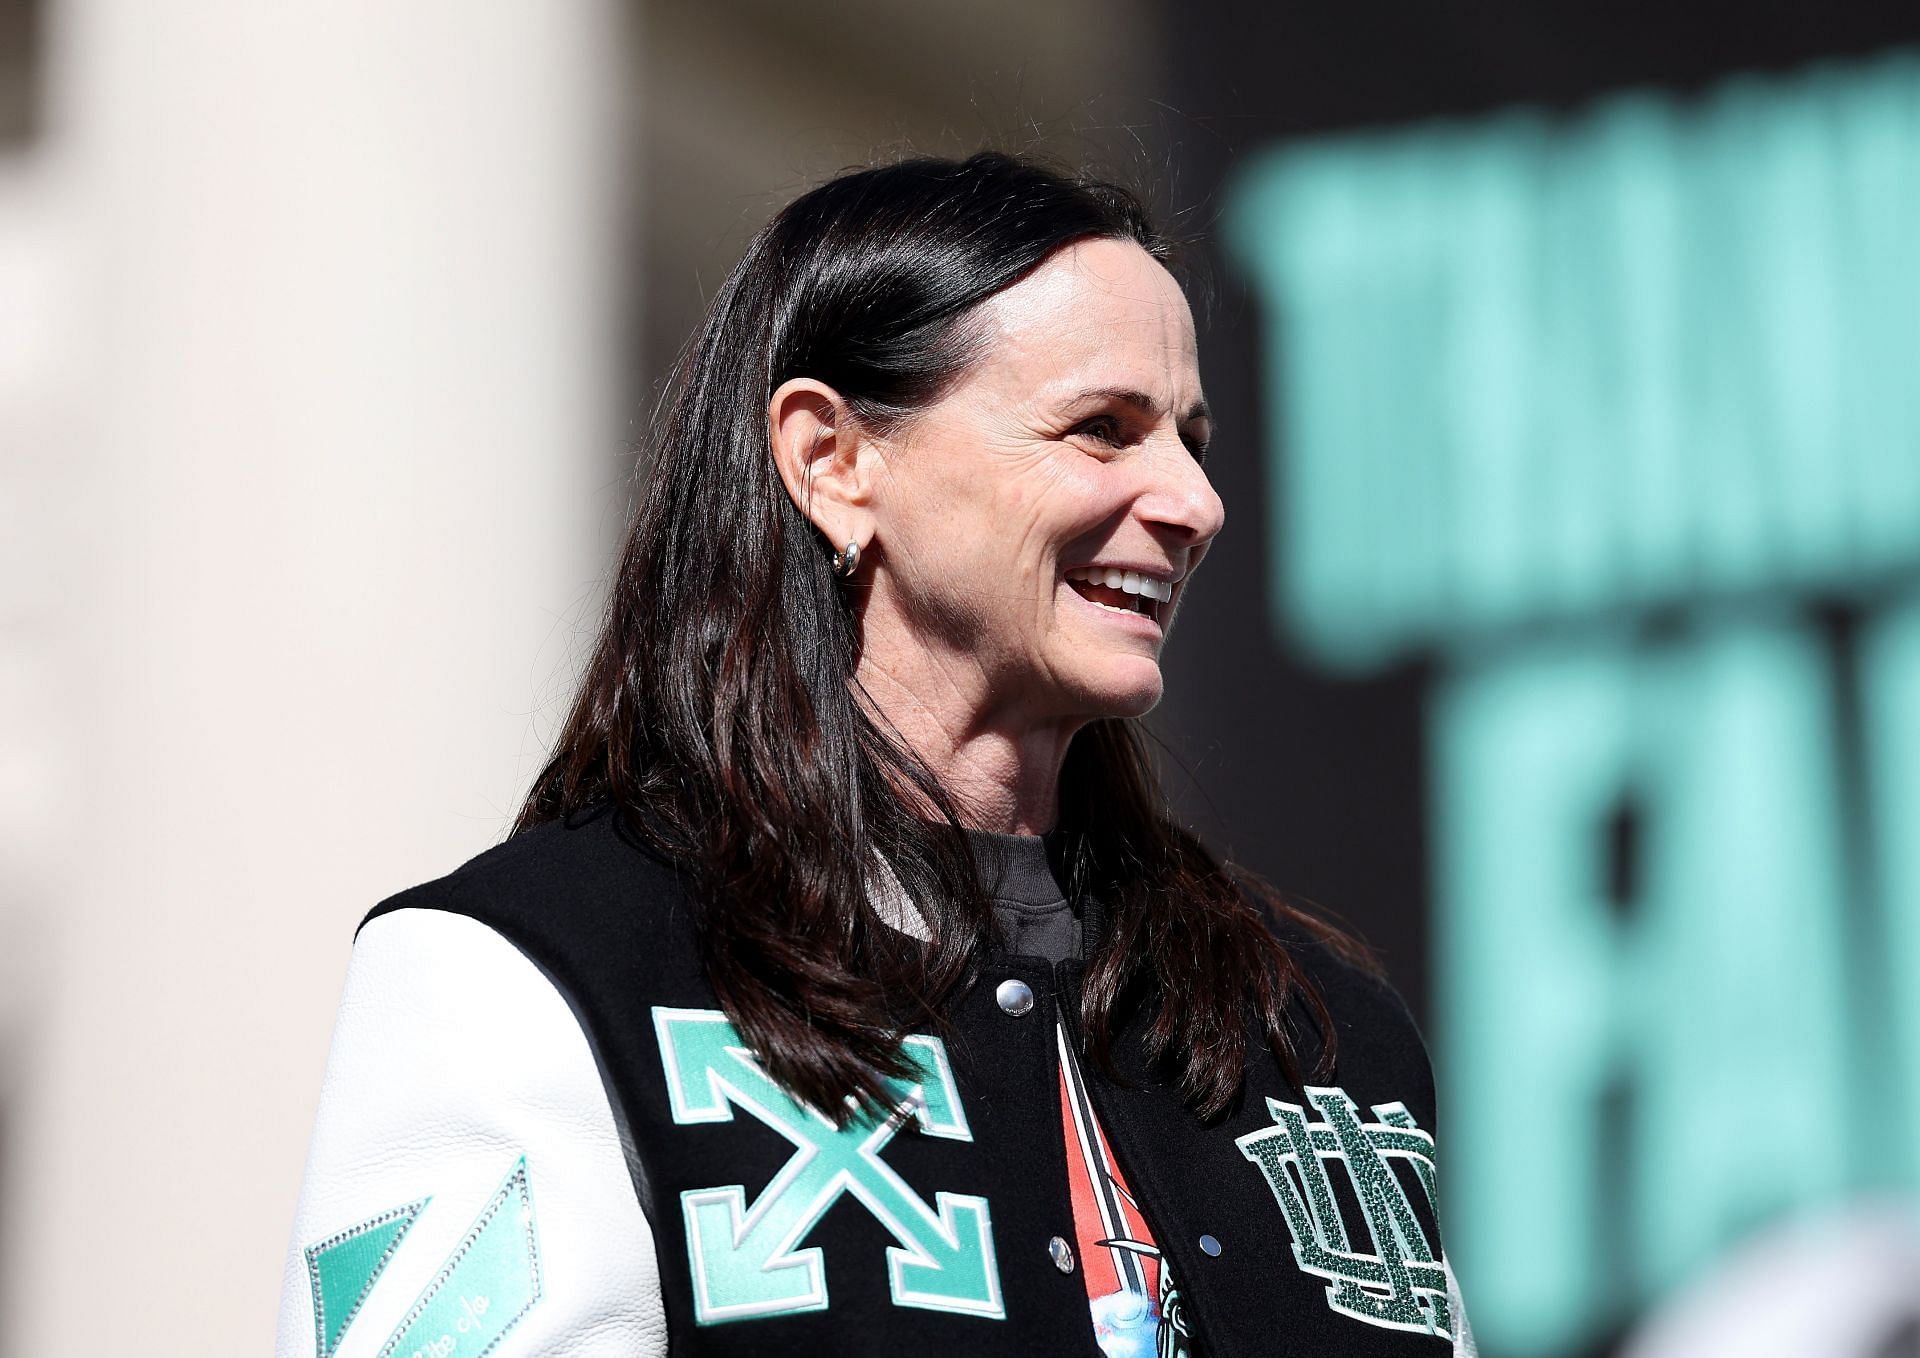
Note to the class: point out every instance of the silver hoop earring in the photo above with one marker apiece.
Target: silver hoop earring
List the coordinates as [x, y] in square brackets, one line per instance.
[847, 562]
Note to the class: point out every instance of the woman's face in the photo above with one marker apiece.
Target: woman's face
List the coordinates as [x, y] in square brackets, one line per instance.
[1036, 526]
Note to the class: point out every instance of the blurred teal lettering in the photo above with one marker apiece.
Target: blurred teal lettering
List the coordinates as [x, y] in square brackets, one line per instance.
[1693, 1013]
[1890, 670]
[1537, 381]
[1538, 368]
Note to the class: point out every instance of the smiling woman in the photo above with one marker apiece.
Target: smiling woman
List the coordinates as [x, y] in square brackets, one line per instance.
[850, 845]
[1024, 534]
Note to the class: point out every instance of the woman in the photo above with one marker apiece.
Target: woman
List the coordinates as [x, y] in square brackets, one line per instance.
[846, 986]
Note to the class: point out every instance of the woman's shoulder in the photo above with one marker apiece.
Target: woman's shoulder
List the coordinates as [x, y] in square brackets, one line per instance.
[1372, 1019]
[588, 871]
[585, 901]
[462, 1079]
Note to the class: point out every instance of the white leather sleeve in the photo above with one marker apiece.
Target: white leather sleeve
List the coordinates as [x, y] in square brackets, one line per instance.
[454, 1059]
[1463, 1341]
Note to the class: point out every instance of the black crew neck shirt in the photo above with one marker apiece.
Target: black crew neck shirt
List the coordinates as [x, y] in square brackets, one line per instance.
[1033, 913]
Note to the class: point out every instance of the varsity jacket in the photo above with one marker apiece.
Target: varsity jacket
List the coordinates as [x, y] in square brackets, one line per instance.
[539, 1134]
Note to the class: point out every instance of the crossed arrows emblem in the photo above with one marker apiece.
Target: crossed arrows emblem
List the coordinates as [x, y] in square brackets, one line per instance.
[747, 1258]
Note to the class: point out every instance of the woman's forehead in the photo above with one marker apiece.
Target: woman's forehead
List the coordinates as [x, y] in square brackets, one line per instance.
[1089, 287]
[1099, 313]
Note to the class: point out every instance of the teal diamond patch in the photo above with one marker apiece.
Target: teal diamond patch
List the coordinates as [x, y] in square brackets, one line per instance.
[343, 1268]
[490, 1281]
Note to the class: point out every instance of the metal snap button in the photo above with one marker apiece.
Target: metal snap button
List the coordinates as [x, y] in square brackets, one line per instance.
[1061, 1253]
[1209, 1247]
[1015, 997]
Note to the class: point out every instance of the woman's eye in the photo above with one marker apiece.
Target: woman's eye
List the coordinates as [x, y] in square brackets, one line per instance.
[1104, 428]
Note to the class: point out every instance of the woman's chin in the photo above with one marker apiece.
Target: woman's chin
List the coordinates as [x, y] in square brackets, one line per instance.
[1124, 687]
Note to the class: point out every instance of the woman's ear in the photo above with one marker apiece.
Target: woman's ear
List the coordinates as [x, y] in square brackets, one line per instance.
[825, 461]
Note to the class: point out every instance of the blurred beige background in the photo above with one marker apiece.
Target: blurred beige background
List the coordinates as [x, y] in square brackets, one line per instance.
[327, 334]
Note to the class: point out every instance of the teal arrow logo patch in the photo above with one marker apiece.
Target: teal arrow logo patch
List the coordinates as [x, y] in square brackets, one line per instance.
[748, 1260]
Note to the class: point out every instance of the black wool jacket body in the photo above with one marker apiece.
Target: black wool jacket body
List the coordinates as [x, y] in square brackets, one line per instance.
[539, 1134]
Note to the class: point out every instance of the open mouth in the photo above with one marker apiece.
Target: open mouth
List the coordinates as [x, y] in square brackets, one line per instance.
[1121, 591]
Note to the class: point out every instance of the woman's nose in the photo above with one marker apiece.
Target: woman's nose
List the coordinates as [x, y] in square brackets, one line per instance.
[1180, 498]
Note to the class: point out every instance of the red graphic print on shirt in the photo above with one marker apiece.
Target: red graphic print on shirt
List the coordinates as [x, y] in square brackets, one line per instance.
[1136, 1311]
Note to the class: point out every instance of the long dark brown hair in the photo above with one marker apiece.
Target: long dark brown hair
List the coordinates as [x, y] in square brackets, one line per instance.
[720, 709]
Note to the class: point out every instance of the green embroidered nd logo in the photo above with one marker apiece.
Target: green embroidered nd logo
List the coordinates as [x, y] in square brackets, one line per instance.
[1402, 1285]
[747, 1260]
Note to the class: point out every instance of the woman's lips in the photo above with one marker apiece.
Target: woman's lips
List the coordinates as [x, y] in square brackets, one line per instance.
[1117, 602]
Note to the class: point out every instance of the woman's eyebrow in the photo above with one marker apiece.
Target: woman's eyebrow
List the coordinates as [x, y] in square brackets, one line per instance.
[1141, 401]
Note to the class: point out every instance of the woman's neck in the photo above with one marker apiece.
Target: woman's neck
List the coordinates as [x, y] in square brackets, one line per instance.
[1002, 773]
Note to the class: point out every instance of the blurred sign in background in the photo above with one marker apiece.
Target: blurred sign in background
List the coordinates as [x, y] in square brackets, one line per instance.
[1612, 417]
[1565, 640]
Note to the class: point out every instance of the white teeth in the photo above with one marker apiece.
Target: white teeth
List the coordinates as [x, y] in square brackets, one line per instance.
[1130, 582]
